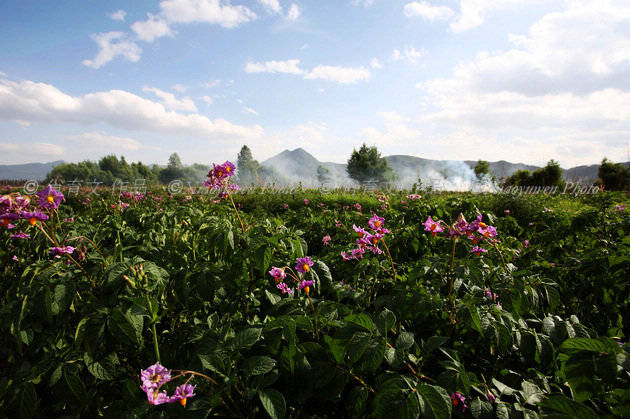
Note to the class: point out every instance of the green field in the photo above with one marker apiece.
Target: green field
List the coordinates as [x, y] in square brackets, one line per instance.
[416, 326]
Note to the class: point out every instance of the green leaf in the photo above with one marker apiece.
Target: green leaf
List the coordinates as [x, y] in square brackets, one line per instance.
[247, 338]
[600, 345]
[273, 402]
[433, 343]
[571, 408]
[273, 298]
[361, 319]
[76, 387]
[124, 324]
[258, 365]
[337, 348]
[435, 401]
[503, 389]
[480, 409]
[28, 401]
[404, 341]
[531, 393]
[357, 402]
[385, 321]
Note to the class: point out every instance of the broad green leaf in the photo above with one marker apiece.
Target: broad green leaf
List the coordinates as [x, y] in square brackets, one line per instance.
[435, 401]
[600, 345]
[247, 338]
[571, 408]
[258, 365]
[273, 402]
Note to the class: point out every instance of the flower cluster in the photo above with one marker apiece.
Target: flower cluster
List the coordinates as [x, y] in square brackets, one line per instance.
[219, 178]
[459, 402]
[302, 267]
[49, 198]
[154, 377]
[16, 207]
[414, 196]
[367, 240]
[476, 230]
[58, 251]
[620, 208]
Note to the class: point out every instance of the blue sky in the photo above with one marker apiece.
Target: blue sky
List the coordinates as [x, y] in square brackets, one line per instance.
[519, 80]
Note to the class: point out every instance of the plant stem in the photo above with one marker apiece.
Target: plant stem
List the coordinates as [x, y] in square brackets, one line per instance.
[156, 348]
[237, 214]
[390, 257]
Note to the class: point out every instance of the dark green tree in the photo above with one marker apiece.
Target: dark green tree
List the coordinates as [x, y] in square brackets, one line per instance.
[174, 169]
[367, 165]
[482, 169]
[613, 176]
[323, 174]
[248, 168]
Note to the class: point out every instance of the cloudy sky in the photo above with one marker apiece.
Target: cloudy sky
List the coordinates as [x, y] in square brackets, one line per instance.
[520, 80]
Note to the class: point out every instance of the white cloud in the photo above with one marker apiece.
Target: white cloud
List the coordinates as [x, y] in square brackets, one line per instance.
[151, 29]
[294, 12]
[472, 13]
[364, 3]
[3, 74]
[208, 11]
[410, 54]
[118, 15]
[101, 140]
[286, 67]
[179, 88]
[374, 63]
[582, 49]
[564, 89]
[338, 74]
[31, 149]
[207, 99]
[171, 102]
[113, 44]
[40, 102]
[249, 110]
[210, 84]
[272, 6]
[427, 11]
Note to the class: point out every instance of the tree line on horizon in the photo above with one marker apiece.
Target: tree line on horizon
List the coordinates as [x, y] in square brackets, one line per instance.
[365, 166]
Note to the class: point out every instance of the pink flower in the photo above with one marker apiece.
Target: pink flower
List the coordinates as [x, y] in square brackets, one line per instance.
[326, 239]
[433, 226]
[357, 206]
[525, 243]
[306, 201]
[183, 392]
[620, 208]
[478, 250]
[376, 222]
[305, 285]
[284, 288]
[459, 402]
[304, 264]
[277, 273]
[507, 212]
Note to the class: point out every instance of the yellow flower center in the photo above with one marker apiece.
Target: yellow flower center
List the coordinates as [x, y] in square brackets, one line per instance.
[5, 221]
[432, 227]
[156, 378]
[50, 199]
[306, 289]
[182, 402]
[483, 225]
[33, 221]
[306, 268]
[227, 169]
[377, 223]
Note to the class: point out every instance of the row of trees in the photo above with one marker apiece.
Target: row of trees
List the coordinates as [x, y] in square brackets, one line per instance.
[111, 168]
[365, 166]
